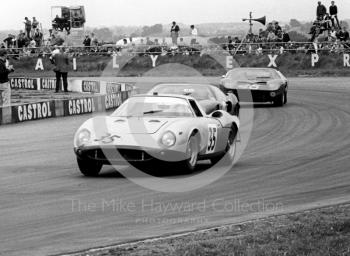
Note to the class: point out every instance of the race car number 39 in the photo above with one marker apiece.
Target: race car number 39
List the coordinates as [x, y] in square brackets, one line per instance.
[212, 137]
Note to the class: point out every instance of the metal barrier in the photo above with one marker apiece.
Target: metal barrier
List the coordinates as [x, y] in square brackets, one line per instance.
[233, 48]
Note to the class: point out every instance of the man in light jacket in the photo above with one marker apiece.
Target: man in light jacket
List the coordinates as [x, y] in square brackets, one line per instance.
[61, 69]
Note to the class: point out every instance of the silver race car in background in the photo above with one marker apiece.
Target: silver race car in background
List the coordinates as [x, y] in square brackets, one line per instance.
[210, 97]
[256, 84]
[163, 129]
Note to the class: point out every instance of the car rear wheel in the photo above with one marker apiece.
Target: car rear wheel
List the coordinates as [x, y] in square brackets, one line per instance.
[89, 168]
[192, 151]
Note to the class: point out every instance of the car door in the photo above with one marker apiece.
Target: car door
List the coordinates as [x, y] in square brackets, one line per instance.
[212, 133]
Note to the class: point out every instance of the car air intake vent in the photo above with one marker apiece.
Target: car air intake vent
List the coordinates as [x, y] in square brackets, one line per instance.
[154, 121]
[119, 120]
[261, 82]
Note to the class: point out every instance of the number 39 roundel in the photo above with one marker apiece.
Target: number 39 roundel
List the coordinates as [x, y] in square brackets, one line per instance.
[212, 138]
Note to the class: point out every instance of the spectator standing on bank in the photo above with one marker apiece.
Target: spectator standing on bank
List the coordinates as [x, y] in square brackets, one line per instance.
[35, 24]
[87, 41]
[174, 32]
[269, 27]
[21, 40]
[277, 29]
[230, 45]
[343, 35]
[94, 41]
[61, 62]
[332, 34]
[27, 26]
[194, 35]
[285, 36]
[271, 37]
[333, 11]
[38, 37]
[9, 41]
[320, 11]
[5, 89]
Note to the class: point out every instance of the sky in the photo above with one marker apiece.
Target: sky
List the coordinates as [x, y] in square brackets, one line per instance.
[101, 13]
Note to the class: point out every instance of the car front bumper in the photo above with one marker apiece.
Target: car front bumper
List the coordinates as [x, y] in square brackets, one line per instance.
[247, 95]
[120, 155]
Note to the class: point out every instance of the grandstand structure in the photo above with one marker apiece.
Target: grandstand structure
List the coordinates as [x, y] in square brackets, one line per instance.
[69, 23]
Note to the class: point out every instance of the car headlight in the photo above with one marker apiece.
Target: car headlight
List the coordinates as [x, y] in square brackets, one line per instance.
[83, 137]
[168, 139]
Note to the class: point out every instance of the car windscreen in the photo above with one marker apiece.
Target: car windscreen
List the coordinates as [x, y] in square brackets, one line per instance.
[197, 92]
[154, 107]
[252, 74]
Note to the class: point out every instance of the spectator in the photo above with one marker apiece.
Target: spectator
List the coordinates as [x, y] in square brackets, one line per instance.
[269, 27]
[194, 34]
[320, 11]
[56, 23]
[9, 41]
[35, 24]
[32, 44]
[277, 28]
[87, 41]
[343, 35]
[61, 62]
[271, 37]
[149, 41]
[230, 45]
[182, 42]
[327, 22]
[332, 34]
[56, 40]
[38, 37]
[262, 33]
[164, 43]
[2, 46]
[174, 31]
[21, 39]
[55, 51]
[27, 26]
[285, 37]
[333, 11]
[5, 87]
[94, 41]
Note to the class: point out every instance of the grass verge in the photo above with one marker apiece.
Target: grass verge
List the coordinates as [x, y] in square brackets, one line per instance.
[317, 232]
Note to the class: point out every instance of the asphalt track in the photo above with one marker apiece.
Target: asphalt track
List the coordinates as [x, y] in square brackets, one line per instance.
[297, 158]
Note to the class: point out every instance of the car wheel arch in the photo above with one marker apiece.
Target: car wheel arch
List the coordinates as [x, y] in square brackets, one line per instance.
[196, 132]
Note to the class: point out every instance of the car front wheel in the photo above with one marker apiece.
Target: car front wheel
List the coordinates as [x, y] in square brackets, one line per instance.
[280, 99]
[192, 151]
[230, 150]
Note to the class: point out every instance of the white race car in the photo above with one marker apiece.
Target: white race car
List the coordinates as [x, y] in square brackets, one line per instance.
[155, 128]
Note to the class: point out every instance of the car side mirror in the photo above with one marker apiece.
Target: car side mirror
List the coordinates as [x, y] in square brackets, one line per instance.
[223, 76]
